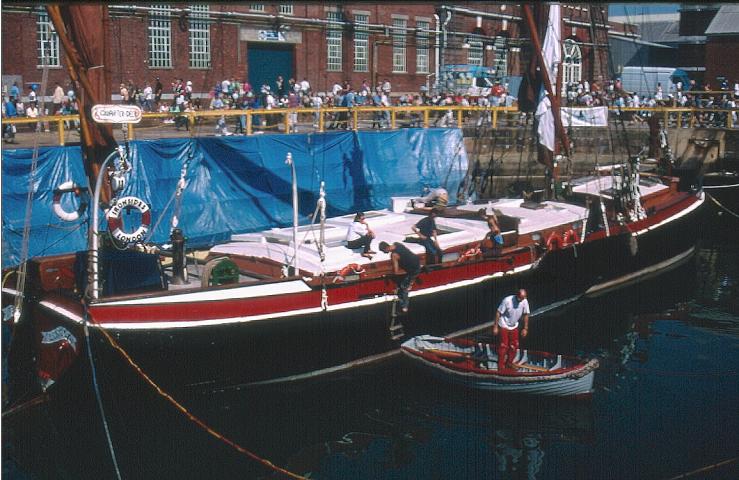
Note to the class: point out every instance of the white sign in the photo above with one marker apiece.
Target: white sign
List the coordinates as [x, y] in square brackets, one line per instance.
[116, 113]
[271, 36]
[584, 117]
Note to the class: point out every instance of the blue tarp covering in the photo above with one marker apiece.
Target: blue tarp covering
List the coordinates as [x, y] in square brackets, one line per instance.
[234, 184]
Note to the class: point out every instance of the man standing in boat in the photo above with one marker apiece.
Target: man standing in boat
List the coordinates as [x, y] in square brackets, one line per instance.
[408, 261]
[512, 309]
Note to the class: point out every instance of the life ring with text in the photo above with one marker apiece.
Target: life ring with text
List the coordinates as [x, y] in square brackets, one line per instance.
[554, 241]
[570, 238]
[115, 220]
[69, 187]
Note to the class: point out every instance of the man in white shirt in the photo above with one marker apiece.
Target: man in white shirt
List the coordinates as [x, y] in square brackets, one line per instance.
[359, 235]
[512, 309]
[304, 86]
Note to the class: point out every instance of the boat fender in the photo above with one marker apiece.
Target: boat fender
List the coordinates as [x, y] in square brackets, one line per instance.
[554, 241]
[633, 245]
[69, 187]
[115, 222]
[352, 269]
[570, 238]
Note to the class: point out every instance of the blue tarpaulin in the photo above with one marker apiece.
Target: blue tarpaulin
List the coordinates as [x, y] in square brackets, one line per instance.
[234, 184]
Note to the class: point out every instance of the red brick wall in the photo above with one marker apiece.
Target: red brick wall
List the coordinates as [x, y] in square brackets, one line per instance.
[129, 46]
[718, 51]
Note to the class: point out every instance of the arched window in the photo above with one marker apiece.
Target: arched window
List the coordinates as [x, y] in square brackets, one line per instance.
[571, 63]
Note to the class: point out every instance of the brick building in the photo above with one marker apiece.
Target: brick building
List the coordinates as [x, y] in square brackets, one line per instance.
[722, 44]
[406, 43]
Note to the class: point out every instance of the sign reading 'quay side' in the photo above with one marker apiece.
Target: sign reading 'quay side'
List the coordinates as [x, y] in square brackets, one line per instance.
[116, 113]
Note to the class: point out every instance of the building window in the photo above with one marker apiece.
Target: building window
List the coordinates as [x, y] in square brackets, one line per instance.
[286, 8]
[474, 53]
[48, 42]
[256, 7]
[571, 63]
[199, 36]
[361, 41]
[399, 26]
[333, 40]
[422, 47]
[160, 36]
[501, 57]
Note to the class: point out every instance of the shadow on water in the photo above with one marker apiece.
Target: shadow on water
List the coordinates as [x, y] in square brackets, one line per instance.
[393, 422]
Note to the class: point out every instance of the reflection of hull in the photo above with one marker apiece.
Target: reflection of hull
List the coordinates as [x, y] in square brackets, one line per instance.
[476, 366]
[225, 335]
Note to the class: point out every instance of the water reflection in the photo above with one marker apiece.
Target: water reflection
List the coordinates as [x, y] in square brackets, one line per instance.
[394, 422]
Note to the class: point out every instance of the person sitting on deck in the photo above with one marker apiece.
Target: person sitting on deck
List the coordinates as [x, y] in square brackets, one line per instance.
[403, 258]
[436, 197]
[493, 241]
[360, 235]
[426, 231]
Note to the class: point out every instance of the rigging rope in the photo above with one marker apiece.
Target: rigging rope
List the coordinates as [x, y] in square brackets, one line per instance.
[25, 246]
[200, 423]
[721, 205]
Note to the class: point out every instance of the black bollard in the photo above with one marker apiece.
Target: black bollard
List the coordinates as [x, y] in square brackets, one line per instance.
[179, 266]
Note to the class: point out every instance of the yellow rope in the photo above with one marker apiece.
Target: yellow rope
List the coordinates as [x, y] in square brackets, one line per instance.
[192, 417]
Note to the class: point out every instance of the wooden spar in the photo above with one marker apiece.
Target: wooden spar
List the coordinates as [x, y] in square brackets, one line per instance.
[86, 50]
[554, 97]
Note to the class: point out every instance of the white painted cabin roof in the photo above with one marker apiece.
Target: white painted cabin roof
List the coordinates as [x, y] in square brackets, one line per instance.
[389, 226]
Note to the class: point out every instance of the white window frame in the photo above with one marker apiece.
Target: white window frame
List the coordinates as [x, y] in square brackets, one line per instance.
[199, 33]
[501, 56]
[160, 36]
[399, 50]
[286, 9]
[47, 42]
[361, 42]
[256, 7]
[422, 46]
[334, 42]
[475, 54]
[571, 62]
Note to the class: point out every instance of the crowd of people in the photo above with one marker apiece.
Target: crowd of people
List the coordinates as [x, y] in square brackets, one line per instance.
[232, 93]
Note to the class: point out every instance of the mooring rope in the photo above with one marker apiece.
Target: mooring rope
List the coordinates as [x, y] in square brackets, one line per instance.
[192, 417]
[721, 205]
[705, 469]
[99, 399]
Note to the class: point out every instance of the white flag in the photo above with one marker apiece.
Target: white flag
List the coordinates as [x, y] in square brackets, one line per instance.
[552, 52]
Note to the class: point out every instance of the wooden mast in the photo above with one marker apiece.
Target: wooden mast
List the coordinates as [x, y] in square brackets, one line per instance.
[83, 32]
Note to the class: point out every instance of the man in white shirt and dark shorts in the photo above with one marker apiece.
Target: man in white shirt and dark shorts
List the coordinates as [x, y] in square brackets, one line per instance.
[359, 235]
[512, 309]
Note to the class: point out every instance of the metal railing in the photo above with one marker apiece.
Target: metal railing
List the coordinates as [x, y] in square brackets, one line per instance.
[286, 120]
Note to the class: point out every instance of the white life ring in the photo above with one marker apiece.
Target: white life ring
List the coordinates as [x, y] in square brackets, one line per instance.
[115, 222]
[69, 187]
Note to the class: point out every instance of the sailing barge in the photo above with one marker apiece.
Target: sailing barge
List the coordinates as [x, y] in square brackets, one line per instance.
[249, 319]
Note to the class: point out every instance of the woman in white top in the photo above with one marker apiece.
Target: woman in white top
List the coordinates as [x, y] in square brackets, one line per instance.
[360, 235]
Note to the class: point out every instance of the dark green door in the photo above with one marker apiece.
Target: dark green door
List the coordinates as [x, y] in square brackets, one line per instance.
[266, 61]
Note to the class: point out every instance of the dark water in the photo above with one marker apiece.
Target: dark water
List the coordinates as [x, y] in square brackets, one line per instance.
[666, 404]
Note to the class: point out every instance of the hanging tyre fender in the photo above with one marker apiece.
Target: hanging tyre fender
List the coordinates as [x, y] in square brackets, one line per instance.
[115, 222]
[69, 187]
